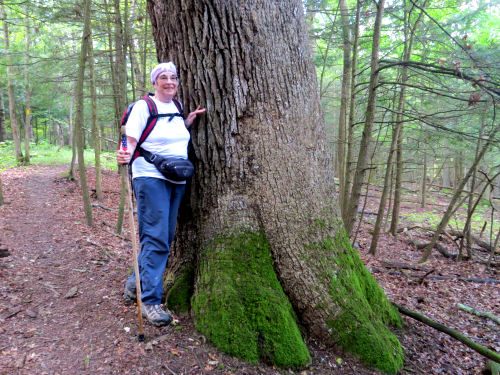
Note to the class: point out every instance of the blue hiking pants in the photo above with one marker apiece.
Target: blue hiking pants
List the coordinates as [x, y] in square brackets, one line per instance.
[157, 206]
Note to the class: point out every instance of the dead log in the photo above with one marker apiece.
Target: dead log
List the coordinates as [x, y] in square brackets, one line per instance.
[490, 354]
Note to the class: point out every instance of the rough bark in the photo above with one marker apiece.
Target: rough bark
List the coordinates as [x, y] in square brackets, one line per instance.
[260, 221]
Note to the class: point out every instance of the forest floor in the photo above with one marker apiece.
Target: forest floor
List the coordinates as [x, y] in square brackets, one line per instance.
[61, 282]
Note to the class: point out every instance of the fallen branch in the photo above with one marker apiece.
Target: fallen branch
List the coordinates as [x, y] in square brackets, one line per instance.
[440, 277]
[422, 278]
[490, 354]
[450, 232]
[483, 314]
[406, 266]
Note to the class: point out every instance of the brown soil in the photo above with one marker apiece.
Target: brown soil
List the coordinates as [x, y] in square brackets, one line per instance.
[61, 310]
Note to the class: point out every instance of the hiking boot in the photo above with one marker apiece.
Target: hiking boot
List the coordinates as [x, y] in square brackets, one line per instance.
[129, 296]
[156, 315]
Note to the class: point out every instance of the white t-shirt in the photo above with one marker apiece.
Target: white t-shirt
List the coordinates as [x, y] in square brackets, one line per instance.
[168, 138]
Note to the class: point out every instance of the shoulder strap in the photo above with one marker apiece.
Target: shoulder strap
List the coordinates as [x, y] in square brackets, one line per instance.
[150, 124]
[179, 106]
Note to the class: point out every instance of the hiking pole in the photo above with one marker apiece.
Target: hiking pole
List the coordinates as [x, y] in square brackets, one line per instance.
[134, 237]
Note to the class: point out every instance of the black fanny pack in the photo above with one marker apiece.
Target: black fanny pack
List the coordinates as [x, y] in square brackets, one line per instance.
[175, 169]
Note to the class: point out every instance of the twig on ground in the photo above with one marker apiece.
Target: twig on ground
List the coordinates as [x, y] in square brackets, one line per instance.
[483, 314]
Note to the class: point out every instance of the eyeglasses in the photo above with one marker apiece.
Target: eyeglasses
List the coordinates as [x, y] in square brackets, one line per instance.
[167, 78]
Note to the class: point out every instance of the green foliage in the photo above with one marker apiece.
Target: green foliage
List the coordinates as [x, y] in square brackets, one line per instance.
[240, 306]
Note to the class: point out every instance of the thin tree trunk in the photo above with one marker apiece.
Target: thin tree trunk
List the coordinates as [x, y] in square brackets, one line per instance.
[399, 124]
[383, 197]
[1, 193]
[344, 97]
[360, 172]
[79, 113]
[10, 85]
[96, 139]
[71, 135]
[121, 100]
[140, 90]
[424, 182]
[350, 136]
[2, 116]
[27, 121]
[396, 136]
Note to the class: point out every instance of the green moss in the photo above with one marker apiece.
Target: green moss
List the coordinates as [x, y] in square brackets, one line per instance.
[361, 327]
[179, 295]
[240, 306]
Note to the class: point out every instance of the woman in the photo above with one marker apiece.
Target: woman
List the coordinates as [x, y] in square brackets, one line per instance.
[158, 199]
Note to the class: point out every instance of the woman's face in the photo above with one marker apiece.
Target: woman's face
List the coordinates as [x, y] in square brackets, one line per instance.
[166, 84]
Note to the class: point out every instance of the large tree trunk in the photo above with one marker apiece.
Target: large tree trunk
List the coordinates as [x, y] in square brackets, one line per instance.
[261, 221]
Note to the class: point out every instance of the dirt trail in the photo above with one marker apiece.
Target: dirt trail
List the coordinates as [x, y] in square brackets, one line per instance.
[53, 318]
[60, 294]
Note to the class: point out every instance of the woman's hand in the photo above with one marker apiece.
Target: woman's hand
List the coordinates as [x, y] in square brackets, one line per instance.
[192, 116]
[124, 157]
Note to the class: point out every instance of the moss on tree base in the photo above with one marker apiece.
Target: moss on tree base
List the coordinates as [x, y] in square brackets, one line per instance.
[362, 326]
[179, 295]
[240, 306]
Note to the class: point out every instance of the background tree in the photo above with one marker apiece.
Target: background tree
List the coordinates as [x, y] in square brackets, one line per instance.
[263, 193]
[79, 136]
[10, 86]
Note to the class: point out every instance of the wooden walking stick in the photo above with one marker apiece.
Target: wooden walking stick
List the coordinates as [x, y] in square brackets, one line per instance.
[133, 234]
